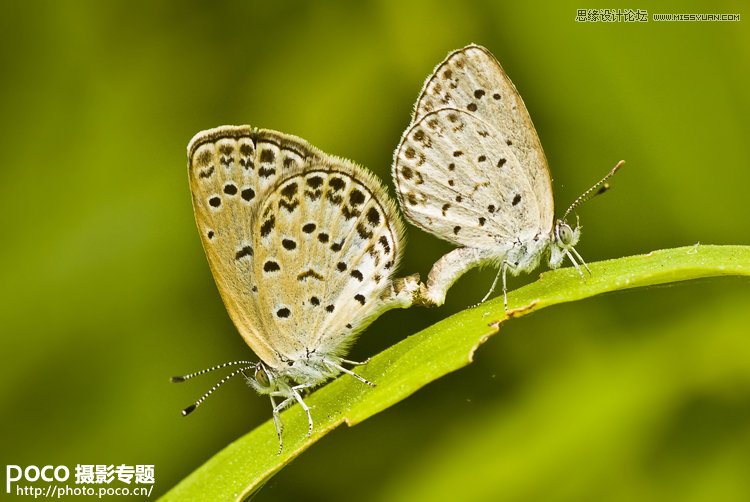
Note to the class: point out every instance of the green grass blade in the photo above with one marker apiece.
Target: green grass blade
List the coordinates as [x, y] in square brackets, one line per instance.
[245, 465]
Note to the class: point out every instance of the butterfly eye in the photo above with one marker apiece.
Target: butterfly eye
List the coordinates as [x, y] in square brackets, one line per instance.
[564, 234]
[262, 377]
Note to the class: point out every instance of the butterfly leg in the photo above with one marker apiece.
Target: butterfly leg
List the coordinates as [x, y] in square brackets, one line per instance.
[349, 372]
[580, 258]
[575, 264]
[355, 363]
[504, 272]
[277, 418]
[492, 288]
[298, 397]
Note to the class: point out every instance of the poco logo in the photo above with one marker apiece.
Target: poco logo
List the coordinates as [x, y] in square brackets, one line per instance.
[14, 473]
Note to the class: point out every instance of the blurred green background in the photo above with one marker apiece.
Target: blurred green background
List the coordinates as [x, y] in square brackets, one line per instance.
[105, 291]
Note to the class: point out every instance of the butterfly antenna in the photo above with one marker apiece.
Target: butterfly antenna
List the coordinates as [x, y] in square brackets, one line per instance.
[177, 379]
[599, 187]
[210, 391]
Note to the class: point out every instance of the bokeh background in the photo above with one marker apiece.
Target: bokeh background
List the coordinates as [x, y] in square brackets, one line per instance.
[105, 291]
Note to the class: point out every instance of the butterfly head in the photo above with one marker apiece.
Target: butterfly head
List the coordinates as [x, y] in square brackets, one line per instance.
[263, 379]
[564, 238]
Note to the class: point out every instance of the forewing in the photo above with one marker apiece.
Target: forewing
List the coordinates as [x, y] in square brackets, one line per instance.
[472, 80]
[231, 169]
[326, 246]
[457, 178]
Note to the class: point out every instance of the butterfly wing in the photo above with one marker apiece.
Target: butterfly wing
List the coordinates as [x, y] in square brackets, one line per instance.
[231, 169]
[326, 246]
[470, 126]
[457, 178]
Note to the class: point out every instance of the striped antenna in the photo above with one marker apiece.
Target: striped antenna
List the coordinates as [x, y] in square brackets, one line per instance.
[599, 187]
[210, 391]
[177, 379]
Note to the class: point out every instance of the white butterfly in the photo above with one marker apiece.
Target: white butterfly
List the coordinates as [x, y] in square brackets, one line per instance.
[470, 169]
[303, 247]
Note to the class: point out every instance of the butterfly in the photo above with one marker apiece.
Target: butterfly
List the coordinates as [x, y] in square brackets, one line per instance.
[470, 169]
[303, 247]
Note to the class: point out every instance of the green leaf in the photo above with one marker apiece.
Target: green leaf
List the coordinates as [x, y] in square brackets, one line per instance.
[245, 465]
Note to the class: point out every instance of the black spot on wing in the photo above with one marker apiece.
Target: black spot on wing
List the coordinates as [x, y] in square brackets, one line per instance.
[350, 213]
[271, 266]
[247, 194]
[283, 313]
[267, 155]
[337, 183]
[384, 242]
[289, 191]
[363, 232]
[247, 163]
[246, 149]
[267, 226]
[243, 252]
[309, 273]
[204, 158]
[334, 198]
[373, 217]
[356, 197]
[265, 172]
[314, 182]
[289, 206]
